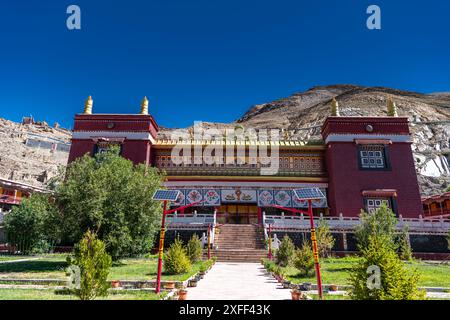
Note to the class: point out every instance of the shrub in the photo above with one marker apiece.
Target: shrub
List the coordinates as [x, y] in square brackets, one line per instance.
[394, 281]
[29, 226]
[381, 222]
[94, 263]
[194, 249]
[304, 259]
[176, 260]
[404, 246]
[285, 252]
[325, 240]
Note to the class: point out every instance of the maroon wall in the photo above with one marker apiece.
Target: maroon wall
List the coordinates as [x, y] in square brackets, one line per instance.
[347, 181]
[79, 148]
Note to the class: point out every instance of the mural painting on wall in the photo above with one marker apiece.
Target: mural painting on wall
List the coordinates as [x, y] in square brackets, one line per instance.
[212, 197]
[265, 198]
[283, 198]
[194, 195]
[238, 195]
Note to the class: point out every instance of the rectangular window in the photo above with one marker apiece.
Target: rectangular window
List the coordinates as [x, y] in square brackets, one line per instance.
[372, 204]
[373, 157]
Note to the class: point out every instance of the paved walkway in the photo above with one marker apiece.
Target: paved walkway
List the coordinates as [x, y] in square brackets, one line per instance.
[238, 281]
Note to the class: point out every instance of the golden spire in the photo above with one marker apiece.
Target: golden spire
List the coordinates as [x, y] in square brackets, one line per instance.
[144, 106]
[88, 105]
[391, 107]
[334, 108]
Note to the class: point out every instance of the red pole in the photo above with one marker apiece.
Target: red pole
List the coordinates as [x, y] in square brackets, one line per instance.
[161, 249]
[315, 251]
[209, 242]
[270, 243]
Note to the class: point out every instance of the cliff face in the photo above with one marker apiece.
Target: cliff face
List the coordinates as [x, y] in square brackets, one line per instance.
[31, 153]
[303, 113]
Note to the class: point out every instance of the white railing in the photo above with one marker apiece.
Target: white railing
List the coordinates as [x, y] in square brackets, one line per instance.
[191, 219]
[341, 223]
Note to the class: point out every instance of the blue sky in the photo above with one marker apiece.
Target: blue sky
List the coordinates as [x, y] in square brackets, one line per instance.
[210, 60]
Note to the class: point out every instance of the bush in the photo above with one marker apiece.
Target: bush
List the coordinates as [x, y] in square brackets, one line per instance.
[325, 240]
[304, 259]
[285, 252]
[394, 281]
[29, 226]
[176, 260]
[381, 222]
[194, 249]
[94, 263]
[404, 246]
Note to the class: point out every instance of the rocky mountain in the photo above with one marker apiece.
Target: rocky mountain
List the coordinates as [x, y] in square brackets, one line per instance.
[32, 152]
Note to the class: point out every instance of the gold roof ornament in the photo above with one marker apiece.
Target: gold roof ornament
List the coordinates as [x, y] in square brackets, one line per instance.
[334, 108]
[88, 105]
[144, 106]
[391, 107]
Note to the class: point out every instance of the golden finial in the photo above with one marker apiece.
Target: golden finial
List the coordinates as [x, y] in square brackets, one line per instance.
[334, 108]
[391, 107]
[144, 106]
[88, 105]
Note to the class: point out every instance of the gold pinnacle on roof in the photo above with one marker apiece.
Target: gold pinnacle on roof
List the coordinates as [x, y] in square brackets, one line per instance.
[391, 107]
[334, 108]
[88, 105]
[144, 106]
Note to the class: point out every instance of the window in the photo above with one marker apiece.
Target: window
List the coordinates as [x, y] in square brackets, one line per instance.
[372, 157]
[372, 204]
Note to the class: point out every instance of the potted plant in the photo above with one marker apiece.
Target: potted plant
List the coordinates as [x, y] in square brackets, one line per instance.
[295, 294]
[202, 272]
[192, 282]
[169, 285]
[333, 287]
[115, 284]
[182, 292]
[286, 284]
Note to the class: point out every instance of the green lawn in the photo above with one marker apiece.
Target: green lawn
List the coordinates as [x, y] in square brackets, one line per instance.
[10, 258]
[31, 294]
[53, 267]
[336, 271]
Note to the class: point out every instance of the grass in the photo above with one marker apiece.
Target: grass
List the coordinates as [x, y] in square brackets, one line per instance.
[53, 267]
[11, 258]
[336, 271]
[31, 294]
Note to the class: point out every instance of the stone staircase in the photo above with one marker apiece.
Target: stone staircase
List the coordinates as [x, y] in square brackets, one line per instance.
[240, 243]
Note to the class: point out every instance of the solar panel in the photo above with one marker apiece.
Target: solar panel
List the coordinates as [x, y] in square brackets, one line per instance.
[166, 195]
[309, 194]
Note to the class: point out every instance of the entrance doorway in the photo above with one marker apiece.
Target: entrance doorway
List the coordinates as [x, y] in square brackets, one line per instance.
[237, 214]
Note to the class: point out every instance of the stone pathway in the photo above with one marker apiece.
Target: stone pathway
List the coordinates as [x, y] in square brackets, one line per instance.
[238, 281]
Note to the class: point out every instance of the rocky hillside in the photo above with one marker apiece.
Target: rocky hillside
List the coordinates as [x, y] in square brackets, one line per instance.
[31, 153]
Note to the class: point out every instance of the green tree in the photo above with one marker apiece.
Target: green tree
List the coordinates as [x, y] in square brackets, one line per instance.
[30, 226]
[285, 252]
[94, 263]
[176, 260]
[381, 222]
[325, 240]
[110, 195]
[448, 239]
[404, 246]
[304, 259]
[393, 282]
[194, 249]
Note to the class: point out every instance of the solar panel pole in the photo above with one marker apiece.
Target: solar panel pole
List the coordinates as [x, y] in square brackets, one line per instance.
[161, 248]
[315, 251]
[270, 242]
[209, 241]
